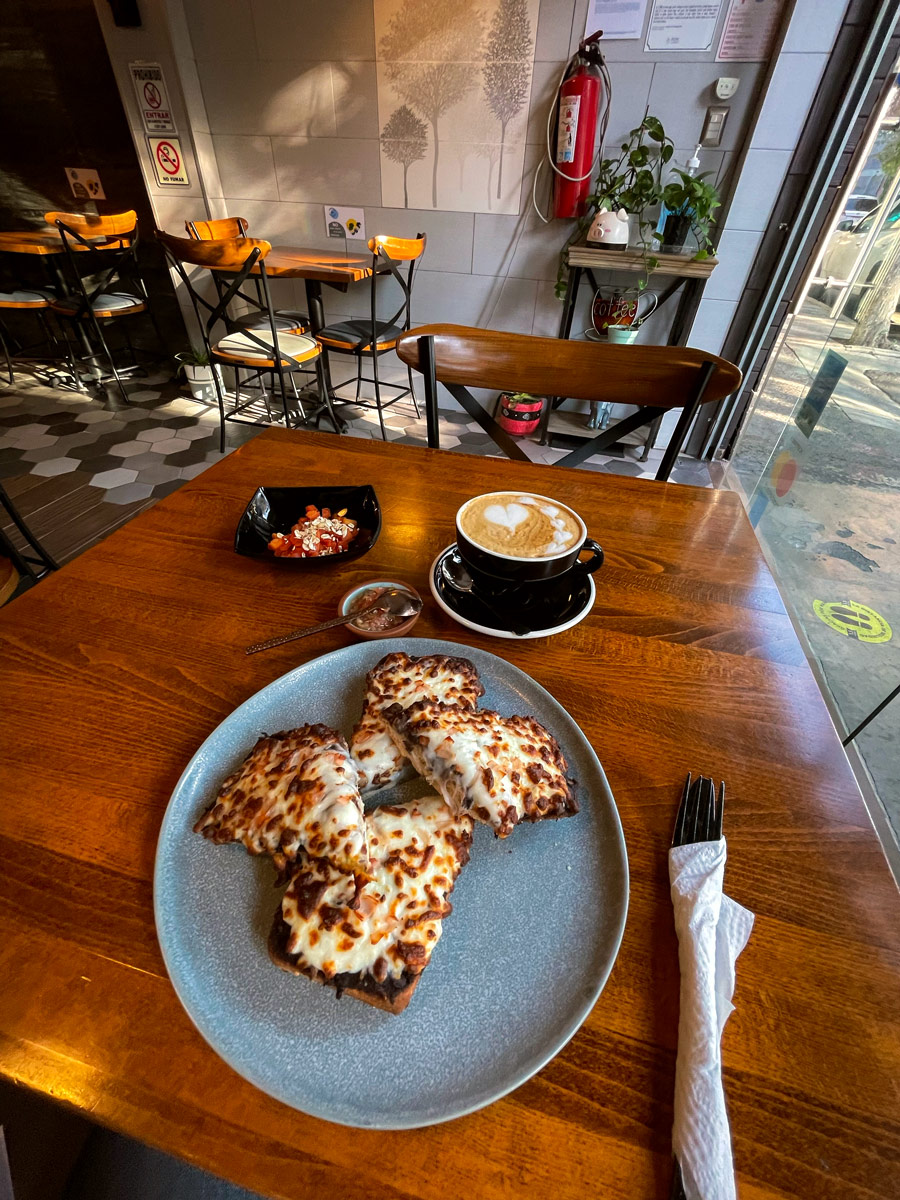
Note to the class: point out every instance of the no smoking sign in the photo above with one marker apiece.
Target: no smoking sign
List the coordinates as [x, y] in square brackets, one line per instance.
[168, 162]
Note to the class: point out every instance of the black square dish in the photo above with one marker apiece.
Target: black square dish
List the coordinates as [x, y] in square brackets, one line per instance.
[276, 509]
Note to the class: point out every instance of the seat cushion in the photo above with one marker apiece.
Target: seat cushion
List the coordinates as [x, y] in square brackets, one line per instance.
[27, 298]
[107, 304]
[287, 320]
[238, 347]
[348, 334]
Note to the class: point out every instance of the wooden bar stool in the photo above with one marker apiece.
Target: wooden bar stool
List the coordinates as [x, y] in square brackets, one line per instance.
[371, 337]
[287, 320]
[108, 285]
[262, 350]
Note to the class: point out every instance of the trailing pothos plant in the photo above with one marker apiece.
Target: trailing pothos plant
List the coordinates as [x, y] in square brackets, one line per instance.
[632, 181]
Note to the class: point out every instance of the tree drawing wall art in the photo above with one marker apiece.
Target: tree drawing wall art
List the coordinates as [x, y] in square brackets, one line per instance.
[453, 88]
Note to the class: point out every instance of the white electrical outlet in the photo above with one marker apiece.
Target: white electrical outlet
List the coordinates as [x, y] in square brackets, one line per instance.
[726, 87]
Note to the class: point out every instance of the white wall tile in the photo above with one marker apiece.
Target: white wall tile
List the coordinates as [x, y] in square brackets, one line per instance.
[682, 91]
[328, 170]
[711, 324]
[736, 253]
[521, 247]
[554, 29]
[335, 30]
[478, 300]
[355, 99]
[246, 167]
[207, 164]
[223, 29]
[449, 246]
[544, 81]
[179, 33]
[283, 223]
[758, 188]
[291, 99]
[193, 95]
[791, 91]
[630, 97]
[172, 211]
[814, 25]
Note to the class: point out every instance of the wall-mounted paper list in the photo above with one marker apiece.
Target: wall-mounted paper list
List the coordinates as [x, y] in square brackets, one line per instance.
[678, 26]
[617, 18]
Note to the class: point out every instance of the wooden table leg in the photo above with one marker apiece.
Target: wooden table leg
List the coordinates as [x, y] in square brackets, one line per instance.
[323, 368]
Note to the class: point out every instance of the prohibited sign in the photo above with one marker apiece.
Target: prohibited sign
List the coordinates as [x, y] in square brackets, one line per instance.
[152, 97]
[853, 620]
[168, 162]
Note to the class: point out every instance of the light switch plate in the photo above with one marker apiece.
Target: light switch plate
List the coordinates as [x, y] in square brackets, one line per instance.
[714, 125]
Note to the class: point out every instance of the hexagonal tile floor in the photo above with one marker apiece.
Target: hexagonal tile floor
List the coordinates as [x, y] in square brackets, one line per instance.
[107, 461]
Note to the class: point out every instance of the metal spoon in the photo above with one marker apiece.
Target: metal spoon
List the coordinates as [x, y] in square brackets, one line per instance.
[399, 604]
[454, 572]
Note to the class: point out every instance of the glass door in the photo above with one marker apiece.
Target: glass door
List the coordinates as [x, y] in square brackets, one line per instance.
[818, 461]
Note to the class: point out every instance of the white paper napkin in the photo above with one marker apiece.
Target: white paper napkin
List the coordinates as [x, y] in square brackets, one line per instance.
[712, 931]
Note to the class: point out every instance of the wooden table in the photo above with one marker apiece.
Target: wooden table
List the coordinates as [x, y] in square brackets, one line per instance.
[119, 665]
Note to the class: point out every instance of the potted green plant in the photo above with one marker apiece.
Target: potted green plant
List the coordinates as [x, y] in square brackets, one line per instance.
[198, 371]
[519, 413]
[690, 204]
[633, 182]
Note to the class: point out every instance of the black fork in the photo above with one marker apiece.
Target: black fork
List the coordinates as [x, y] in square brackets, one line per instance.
[699, 820]
[700, 813]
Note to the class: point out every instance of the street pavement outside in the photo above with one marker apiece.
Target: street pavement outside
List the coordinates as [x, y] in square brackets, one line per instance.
[835, 535]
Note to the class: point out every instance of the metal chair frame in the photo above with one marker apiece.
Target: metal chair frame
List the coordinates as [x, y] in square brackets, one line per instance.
[382, 265]
[24, 562]
[123, 267]
[209, 315]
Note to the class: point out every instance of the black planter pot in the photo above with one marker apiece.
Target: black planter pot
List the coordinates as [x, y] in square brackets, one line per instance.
[675, 231]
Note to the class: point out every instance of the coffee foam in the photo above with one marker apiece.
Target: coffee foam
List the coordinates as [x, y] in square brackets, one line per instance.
[507, 523]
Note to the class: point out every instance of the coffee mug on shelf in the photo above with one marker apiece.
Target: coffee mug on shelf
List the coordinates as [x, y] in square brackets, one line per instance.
[522, 537]
[621, 307]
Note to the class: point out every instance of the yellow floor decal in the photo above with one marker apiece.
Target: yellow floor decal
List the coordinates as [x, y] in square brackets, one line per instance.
[853, 620]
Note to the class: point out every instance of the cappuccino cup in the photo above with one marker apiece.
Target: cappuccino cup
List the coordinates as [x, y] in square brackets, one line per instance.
[523, 537]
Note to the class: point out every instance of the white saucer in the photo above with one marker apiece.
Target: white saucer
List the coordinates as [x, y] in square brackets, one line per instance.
[506, 633]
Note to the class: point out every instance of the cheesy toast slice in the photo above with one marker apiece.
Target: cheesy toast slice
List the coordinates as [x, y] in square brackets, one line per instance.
[401, 679]
[296, 790]
[501, 770]
[374, 942]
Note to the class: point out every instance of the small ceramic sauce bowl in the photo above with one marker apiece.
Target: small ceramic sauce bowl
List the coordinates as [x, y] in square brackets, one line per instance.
[349, 598]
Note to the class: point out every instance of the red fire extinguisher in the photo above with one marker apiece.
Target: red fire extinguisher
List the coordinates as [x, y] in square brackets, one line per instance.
[576, 130]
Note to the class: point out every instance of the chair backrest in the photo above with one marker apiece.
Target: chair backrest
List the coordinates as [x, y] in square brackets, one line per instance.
[239, 257]
[388, 254]
[106, 253]
[211, 231]
[91, 225]
[661, 376]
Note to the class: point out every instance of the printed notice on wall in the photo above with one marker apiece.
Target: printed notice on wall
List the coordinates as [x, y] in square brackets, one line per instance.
[152, 97]
[676, 26]
[749, 31]
[617, 18]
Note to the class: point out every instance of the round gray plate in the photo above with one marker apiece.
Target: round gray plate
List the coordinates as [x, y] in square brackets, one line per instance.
[536, 926]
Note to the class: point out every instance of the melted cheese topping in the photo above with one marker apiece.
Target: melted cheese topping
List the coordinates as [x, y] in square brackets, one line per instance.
[295, 791]
[400, 679]
[501, 769]
[417, 851]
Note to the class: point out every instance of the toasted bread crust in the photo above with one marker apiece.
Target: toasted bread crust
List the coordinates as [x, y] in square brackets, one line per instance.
[388, 996]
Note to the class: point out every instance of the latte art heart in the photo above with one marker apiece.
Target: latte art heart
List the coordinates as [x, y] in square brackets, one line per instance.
[507, 515]
[520, 525]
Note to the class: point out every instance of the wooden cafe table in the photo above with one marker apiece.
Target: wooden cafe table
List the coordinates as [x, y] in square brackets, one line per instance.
[116, 668]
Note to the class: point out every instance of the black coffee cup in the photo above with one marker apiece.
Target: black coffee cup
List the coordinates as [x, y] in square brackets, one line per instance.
[495, 568]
